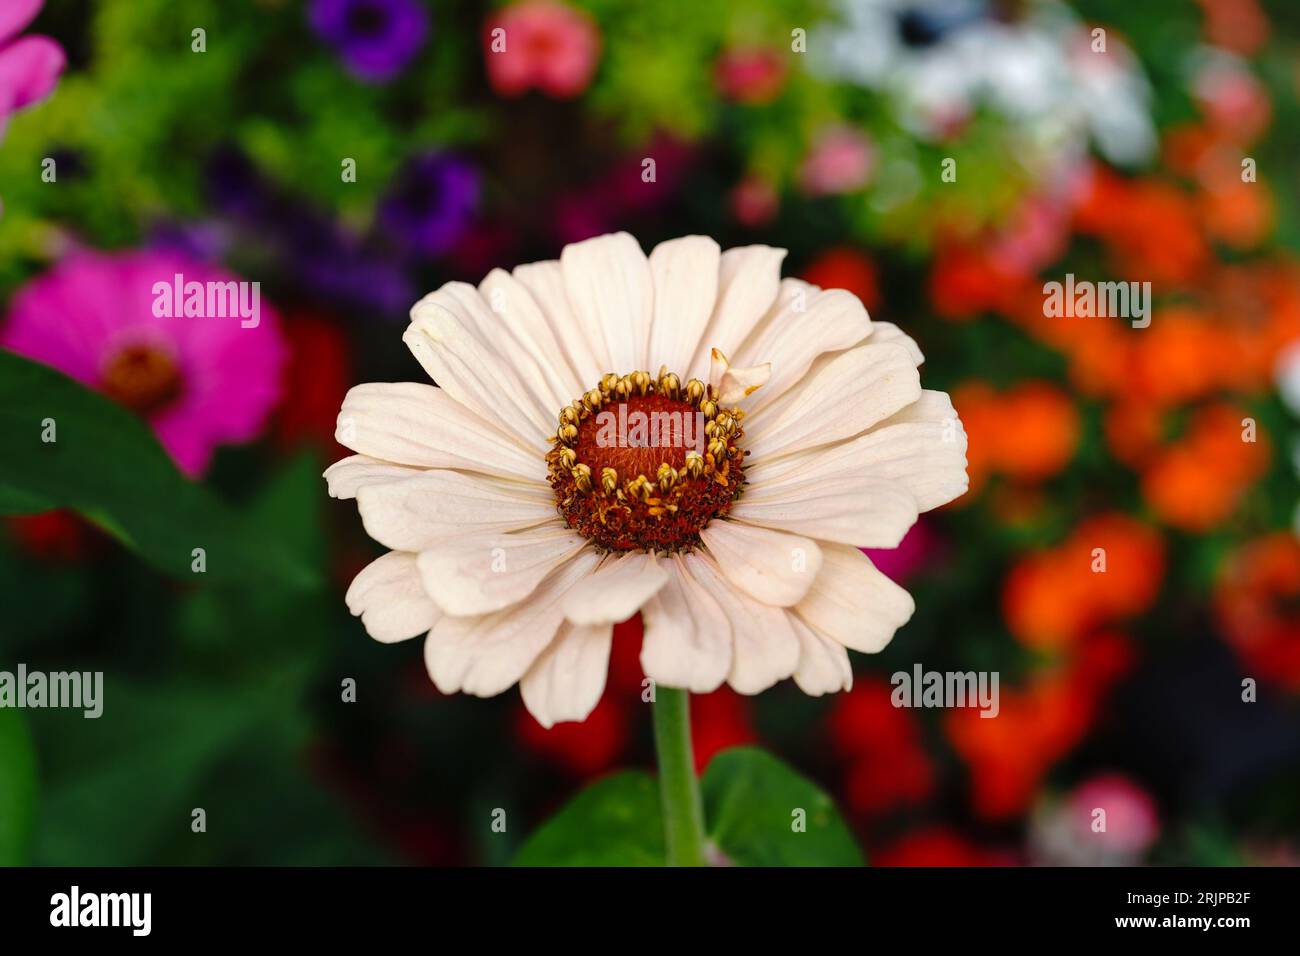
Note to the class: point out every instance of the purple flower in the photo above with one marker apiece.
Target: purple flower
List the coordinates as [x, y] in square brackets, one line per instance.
[431, 203]
[375, 38]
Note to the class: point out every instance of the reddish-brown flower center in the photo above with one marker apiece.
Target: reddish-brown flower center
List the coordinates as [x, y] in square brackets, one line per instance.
[143, 378]
[645, 463]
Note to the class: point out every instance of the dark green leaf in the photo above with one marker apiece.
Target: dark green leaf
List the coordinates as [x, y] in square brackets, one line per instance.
[752, 802]
[614, 822]
[107, 465]
[17, 788]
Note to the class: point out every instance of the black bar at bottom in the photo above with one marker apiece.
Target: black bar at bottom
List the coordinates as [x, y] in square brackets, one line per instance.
[337, 905]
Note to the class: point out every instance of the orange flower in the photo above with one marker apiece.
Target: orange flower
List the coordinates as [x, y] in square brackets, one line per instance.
[1029, 432]
[976, 404]
[1255, 598]
[1009, 755]
[1036, 726]
[1134, 428]
[1178, 358]
[1040, 431]
[1110, 567]
[1158, 237]
[1197, 483]
[1150, 226]
[1236, 213]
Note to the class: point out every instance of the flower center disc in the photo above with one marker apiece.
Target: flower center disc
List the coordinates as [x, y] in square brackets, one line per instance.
[645, 463]
[143, 378]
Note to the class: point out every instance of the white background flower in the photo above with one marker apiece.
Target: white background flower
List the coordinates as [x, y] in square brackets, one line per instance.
[844, 450]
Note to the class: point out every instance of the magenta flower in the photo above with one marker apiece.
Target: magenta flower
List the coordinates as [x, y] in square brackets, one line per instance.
[29, 66]
[541, 44]
[179, 341]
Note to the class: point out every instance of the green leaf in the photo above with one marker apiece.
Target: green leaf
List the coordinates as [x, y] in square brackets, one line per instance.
[107, 465]
[17, 788]
[751, 804]
[614, 822]
[119, 786]
[15, 502]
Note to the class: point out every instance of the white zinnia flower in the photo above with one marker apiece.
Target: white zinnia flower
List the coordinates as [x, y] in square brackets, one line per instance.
[520, 533]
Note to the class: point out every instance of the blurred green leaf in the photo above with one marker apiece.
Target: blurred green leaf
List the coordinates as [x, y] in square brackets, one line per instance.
[17, 788]
[16, 502]
[107, 465]
[126, 782]
[751, 801]
[613, 822]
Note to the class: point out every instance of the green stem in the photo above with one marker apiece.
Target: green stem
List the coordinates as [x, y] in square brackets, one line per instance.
[679, 790]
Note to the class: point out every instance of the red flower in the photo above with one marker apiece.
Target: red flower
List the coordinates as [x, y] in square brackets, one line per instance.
[1256, 597]
[316, 382]
[719, 720]
[936, 846]
[842, 267]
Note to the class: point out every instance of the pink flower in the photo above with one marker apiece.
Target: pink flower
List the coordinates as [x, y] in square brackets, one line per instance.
[29, 66]
[750, 75]
[1106, 821]
[754, 201]
[544, 45]
[199, 380]
[841, 161]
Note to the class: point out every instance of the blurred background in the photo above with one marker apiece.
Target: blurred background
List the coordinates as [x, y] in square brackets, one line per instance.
[941, 160]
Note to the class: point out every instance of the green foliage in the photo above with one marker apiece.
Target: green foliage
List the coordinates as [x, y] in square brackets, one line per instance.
[107, 465]
[613, 822]
[17, 788]
[758, 811]
[752, 803]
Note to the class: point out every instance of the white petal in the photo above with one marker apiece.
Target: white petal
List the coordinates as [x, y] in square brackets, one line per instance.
[731, 383]
[685, 273]
[921, 448]
[824, 666]
[687, 641]
[610, 290]
[389, 599]
[853, 603]
[764, 646]
[830, 321]
[540, 358]
[770, 566]
[859, 510]
[584, 348]
[484, 655]
[415, 424]
[882, 332]
[348, 475]
[566, 681]
[616, 591]
[443, 338]
[415, 514]
[482, 573]
[843, 397]
[748, 279]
